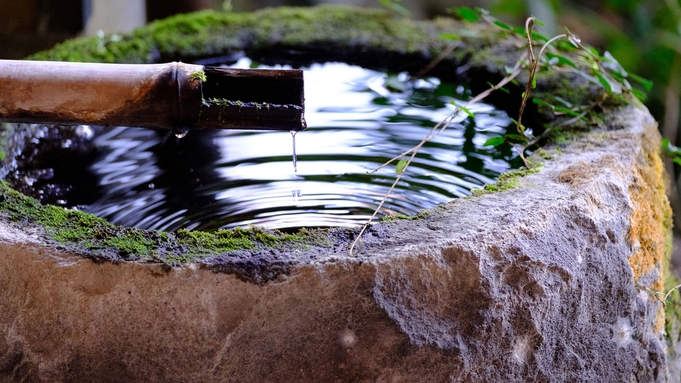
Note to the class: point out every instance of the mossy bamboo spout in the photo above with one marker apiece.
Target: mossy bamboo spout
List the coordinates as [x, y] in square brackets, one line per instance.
[173, 96]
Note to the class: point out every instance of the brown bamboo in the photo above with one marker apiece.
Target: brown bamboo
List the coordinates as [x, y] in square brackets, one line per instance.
[174, 96]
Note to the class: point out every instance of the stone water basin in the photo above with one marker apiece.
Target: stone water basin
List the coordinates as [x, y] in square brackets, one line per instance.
[553, 278]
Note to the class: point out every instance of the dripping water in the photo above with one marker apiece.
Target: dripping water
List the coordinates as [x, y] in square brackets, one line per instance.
[180, 132]
[295, 158]
[227, 178]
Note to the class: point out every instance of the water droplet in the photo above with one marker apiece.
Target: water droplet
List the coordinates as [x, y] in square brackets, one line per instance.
[180, 132]
[295, 158]
[296, 194]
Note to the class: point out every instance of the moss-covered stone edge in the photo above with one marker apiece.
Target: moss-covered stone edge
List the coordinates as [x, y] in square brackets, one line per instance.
[210, 33]
[508, 180]
[365, 36]
[342, 28]
[104, 241]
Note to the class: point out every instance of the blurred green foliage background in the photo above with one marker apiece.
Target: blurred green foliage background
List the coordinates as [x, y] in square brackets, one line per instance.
[643, 35]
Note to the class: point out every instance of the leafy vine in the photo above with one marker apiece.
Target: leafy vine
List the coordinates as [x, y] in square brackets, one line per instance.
[564, 52]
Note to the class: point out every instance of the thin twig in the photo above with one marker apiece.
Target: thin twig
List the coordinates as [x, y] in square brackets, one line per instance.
[445, 123]
[534, 65]
[434, 132]
[437, 129]
[670, 291]
[442, 125]
[528, 87]
[443, 55]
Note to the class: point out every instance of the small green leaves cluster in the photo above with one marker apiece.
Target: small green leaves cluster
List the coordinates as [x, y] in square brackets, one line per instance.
[564, 53]
[672, 151]
[606, 71]
[474, 15]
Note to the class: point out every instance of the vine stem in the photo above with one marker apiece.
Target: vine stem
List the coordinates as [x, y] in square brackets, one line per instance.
[444, 124]
[434, 132]
[534, 65]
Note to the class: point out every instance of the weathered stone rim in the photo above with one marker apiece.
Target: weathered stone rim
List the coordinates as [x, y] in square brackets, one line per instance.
[291, 35]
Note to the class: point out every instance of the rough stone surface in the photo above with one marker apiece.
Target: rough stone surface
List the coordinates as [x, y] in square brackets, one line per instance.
[551, 281]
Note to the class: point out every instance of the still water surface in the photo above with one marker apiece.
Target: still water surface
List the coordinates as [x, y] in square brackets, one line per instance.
[357, 119]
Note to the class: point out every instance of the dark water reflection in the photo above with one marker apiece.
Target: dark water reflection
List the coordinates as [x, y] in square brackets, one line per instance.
[208, 180]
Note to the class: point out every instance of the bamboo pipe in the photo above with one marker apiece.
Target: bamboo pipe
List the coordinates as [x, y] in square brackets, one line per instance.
[173, 96]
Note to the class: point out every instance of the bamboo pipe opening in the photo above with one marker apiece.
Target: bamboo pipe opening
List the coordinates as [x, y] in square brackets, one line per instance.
[173, 96]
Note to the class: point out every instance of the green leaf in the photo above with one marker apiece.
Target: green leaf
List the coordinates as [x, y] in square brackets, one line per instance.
[539, 36]
[502, 25]
[482, 11]
[393, 84]
[449, 36]
[501, 88]
[626, 84]
[563, 101]
[610, 63]
[466, 14]
[392, 5]
[642, 96]
[401, 165]
[401, 10]
[574, 40]
[464, 109]
[539, 101]
[677, 160]
[604, 82]
[647, 84]
[534, 82]
[561, 59]
[570, 112]
[541, 24]
[494, 141]
[516, 137]
[470, 33]
[669, 148]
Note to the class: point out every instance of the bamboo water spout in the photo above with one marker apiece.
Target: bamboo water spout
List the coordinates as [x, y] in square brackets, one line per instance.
[173, 96]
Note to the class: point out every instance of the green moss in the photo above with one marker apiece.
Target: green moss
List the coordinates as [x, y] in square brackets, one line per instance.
[209, 33]
[78, 229]
[398, 217]
[198, 75]
[508, 180]
[672, 304]
[543, 154]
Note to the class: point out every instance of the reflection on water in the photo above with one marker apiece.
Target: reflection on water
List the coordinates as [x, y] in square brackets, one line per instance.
[357, 120]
